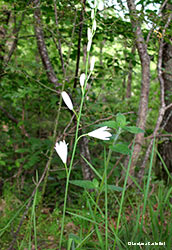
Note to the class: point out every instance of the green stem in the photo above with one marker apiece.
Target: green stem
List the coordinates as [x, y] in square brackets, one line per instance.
[73, 154]
[148, 182]
[106, 203]
[104, 174]
[66, 169]
[122, 197]
[75, 143]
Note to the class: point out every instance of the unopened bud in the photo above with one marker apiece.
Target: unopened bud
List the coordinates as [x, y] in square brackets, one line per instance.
[89, 45]
[94, 25]
[92, 63]
[89, 34]
[92, 14]
[82, 79]
[100, 5]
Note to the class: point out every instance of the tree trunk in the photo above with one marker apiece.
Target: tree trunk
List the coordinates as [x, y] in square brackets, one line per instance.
[42, 46]
[86, 170]
[165, 148]
[130, 71]
[145, 65]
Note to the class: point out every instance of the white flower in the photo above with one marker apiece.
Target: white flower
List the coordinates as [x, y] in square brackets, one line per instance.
[82, 79]
[89, 45]
[95, 3]
[101, 133]
[92, 14]
[89, 34]
[61, 149]
[67, 100]
[94, 24]
[100, 5]
[92, 63]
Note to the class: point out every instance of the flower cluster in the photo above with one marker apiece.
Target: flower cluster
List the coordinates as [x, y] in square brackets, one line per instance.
[100, 133]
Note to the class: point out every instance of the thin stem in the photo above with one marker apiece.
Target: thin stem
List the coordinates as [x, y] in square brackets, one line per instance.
[106, 203]
[66, 169]
[148, 182]
[73, 155]
[122, 197]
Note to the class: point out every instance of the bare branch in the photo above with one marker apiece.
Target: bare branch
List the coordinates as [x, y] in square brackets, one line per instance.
[15, 41]
[79, 43]
[12, 118]
[42, 46]
[59, 39]
[159, 13]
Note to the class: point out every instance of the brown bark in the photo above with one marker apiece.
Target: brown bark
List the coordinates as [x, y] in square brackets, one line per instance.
[165, 148]
[164, 59]
[59, 39]
[79, 43]
[86, 170]
[42, 46]
[130, 71]
[4, 20]
[145, 65]
[12, 46]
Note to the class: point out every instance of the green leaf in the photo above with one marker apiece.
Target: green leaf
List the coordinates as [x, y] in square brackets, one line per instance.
[110, 124]
[134, 129]
[121, 120]
[2, 163]
[96, 183]
[22, 150]
[115, 188]
[121, 148]
[83, 184]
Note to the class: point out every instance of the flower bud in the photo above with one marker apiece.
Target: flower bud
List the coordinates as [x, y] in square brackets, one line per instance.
[89, 45]
[67, 100]
[92, 13]
[94, 25]
[89, 34]
[100, 5]
[82, 79]
[92, 63]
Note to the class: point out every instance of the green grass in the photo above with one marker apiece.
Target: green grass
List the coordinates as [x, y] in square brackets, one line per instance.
[138, 216]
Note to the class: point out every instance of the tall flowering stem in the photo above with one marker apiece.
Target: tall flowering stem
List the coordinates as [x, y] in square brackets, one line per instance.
[76, 140]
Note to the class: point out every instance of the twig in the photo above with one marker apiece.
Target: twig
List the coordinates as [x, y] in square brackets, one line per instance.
[151, 30]
[59, 39]
[79, 43]
[42, 46]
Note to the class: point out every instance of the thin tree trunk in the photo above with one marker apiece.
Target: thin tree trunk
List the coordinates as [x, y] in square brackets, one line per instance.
[79, 43]
[86, 170]
[165, 148]
[165, 79]
[145, 83]
[130, 71]
[42, 46]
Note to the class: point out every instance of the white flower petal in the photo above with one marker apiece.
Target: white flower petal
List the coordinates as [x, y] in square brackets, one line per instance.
[61, 149]
[67, 100]
[100, 5]
[82, 79]
[89, 45]
[95, 3]
[94, 24]
[89, 34]
[92, 14]
[101, 133]
[92, 63]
